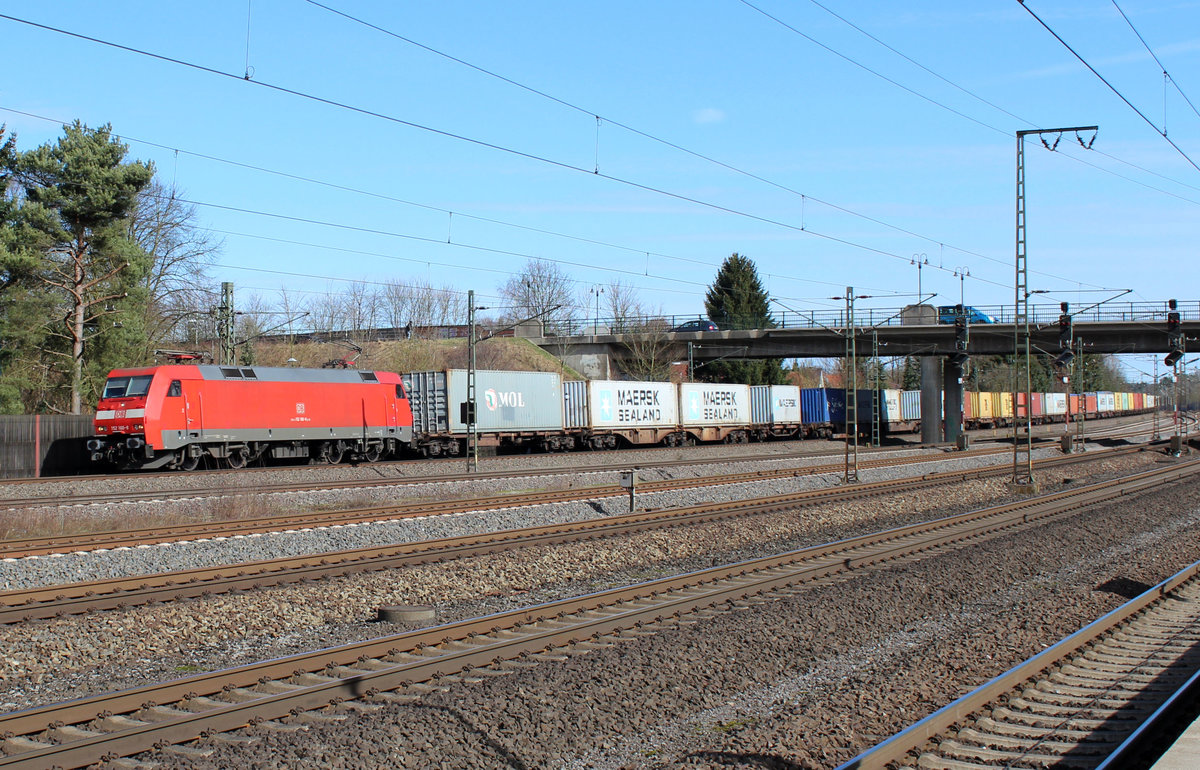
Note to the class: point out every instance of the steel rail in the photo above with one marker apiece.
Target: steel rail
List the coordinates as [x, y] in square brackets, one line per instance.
[20, 548]
[618, 463]
[456, 475]
[229, 699]
[1143, 619]
[23, 605]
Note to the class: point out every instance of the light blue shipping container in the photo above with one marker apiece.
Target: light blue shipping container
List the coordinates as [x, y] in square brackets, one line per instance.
[505, 401]
[910, 405]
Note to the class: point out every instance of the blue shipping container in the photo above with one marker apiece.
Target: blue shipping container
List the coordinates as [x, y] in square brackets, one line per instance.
[814, 406]
[836, 397]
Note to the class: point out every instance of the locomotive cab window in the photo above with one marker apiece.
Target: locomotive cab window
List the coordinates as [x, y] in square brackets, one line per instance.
[127, 387]
[176, 388]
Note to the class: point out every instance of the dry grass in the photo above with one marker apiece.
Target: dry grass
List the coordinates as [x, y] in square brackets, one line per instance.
[23, 525]
[502, 353]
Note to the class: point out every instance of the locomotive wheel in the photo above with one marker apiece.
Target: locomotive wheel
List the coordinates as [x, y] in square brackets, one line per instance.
[238, 457]
[373, 453]
[333, 452]
[188, 461]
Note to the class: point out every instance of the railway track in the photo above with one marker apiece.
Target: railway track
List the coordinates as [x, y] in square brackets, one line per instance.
[57, 601]
[1103, 697]
[225, 489]
[83, 731]
[37, 546]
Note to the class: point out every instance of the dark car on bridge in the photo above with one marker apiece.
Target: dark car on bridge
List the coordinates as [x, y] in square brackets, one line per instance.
[700, 325]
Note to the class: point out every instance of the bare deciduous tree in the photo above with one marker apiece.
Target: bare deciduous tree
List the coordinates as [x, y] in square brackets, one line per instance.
[420, 305]
[166, 228]
[541, 289]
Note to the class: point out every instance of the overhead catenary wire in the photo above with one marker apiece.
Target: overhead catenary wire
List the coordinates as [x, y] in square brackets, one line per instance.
[1161, 66]
[1027, 121]
[177, 151]
[458, 244]
[1111, 87]
[627, 127]
[500, 148]
[459, 137]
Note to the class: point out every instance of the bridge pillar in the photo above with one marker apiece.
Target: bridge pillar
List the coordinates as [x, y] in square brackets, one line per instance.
[952, 393]
[931, 399]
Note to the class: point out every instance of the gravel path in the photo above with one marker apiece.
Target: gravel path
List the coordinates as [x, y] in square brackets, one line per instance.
[799, 682]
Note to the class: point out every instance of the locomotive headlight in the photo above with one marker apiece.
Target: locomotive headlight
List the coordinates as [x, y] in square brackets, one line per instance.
[139, 426]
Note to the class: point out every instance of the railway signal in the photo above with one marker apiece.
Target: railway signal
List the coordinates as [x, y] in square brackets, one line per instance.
[962, 336]
[1174, 334]
[1065, 333]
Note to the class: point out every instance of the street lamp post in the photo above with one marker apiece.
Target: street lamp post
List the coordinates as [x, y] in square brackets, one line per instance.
[920, 260]
[962, 273]
[596, 291]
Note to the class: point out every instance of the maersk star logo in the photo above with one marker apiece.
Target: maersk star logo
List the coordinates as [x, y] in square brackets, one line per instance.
[694, 405]
[606, 406]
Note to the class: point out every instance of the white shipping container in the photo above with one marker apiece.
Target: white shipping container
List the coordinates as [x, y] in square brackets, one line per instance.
[1056, 403]
[785, 404]
[1106, 402]
[703, 403]
[613, 404]
[891, 406]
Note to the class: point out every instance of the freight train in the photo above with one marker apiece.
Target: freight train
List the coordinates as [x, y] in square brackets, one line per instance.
[182, 416]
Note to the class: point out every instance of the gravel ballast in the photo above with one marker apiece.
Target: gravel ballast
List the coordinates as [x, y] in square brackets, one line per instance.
[800, 682]
[51, 660]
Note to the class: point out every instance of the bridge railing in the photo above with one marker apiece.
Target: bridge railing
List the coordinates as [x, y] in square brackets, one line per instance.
[867, 317]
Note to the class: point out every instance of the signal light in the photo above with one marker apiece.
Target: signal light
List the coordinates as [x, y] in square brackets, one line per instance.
[959, 359]
[961, 333]
[1173, 357]
[1064, 331]
[1173, 321]
[1064, 358]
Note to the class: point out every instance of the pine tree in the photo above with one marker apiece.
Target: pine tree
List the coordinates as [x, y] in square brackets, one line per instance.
[737, 300]
[76, 198]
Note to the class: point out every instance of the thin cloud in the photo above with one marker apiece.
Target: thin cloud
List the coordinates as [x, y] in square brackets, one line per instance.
[709, 115]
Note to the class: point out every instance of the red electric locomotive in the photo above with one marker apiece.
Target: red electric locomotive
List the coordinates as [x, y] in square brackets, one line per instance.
[176, 416]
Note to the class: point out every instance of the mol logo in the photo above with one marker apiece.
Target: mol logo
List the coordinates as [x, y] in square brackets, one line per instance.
[494, 400]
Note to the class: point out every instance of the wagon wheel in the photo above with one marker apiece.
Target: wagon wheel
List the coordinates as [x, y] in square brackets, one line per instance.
[373, 453]
[188, 461]
[332, 452]
[238, 457]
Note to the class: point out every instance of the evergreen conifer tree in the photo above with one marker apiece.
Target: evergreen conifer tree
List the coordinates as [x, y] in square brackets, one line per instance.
[76, 198]
[737, 300]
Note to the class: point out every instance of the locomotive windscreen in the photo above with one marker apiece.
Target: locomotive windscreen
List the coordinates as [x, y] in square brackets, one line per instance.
[127, 387]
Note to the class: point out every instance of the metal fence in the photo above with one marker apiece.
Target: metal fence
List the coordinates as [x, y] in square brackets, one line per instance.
[867, 317]
[43, 445]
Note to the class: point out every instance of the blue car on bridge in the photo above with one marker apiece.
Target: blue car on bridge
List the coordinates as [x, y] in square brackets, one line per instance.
[947, 314]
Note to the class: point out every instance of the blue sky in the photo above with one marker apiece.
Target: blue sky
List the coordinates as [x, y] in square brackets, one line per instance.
[925, 171]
